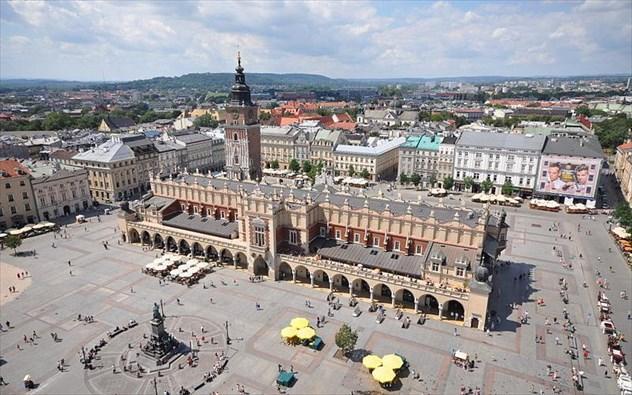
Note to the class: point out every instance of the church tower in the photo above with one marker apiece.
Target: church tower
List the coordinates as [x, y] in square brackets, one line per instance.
[242, 131]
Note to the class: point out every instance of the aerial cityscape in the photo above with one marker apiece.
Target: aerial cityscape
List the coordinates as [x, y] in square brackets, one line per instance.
[415, 197]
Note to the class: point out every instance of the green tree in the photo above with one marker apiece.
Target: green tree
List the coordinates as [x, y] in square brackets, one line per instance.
[623, 213]
[57, 121]
[613, 131]
[432, 180]
[265, 116]
[403, 179]
[365, 174]
[487, 185]
[205, 121]
[468, 182]
[13, 241]
[295, 166]
[346, 339]
[148, 116]
[415, 179]
[274, 164]
[323, 112]
[507, 188]
[351, 171]
[448, 182]
[307, 167]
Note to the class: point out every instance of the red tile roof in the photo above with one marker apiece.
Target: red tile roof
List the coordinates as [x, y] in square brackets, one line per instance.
[12, 168]
[625, 147]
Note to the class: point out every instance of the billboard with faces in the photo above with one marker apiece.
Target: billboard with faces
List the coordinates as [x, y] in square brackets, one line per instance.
[568, 176]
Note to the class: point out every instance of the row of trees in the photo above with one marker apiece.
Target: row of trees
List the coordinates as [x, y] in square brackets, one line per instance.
[306, 167]
[415, 179]
[363, 174]
[614, 131]
[88, 120]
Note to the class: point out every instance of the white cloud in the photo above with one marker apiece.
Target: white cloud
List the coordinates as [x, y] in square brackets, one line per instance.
[128, 40]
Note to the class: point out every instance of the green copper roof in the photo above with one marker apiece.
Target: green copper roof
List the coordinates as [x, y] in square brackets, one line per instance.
[426, 143]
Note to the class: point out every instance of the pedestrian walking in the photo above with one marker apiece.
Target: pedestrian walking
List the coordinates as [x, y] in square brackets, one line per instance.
[455, 332]
[70, 271]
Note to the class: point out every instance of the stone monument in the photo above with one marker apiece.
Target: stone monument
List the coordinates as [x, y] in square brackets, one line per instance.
[161, 344]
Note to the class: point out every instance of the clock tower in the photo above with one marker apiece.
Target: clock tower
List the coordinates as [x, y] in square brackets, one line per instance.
[242, 131]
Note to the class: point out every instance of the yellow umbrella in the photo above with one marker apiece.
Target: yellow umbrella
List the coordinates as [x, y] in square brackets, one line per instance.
[392, 361]
[371, 361]
[383, 374]
[288, 332]
[306, 333]
[299, 322]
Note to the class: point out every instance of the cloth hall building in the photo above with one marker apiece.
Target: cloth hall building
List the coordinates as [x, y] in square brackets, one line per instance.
[430, 259]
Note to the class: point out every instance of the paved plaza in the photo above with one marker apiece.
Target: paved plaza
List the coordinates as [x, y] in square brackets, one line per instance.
[109, 285]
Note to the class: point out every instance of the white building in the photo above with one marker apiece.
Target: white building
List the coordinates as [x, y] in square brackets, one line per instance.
[499, 157]
[380, 161]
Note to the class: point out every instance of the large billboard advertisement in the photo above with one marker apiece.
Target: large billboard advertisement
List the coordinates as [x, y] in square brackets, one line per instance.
[568, 176]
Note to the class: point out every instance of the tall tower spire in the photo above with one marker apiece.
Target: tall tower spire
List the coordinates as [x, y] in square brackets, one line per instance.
[243, 134]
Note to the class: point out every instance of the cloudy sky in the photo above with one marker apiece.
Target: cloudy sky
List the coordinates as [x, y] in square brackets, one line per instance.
[123, 40]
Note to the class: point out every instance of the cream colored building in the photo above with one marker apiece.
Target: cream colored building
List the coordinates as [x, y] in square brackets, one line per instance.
[284, 143]
[381, 161]
[17, 203]
[427, 259]
[323, 145]
[120, 168]
[623, 170]
[62, 192]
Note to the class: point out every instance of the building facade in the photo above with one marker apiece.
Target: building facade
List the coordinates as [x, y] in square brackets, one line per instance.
[17, 202]
[242, 131]
[445, 166]
[64, 192]
[428, 259]
[420, 155]
[389, 117]
[202, 152]
[380, 161]
[323, 145]
[623, 170]
[500, 157]
[570, 168]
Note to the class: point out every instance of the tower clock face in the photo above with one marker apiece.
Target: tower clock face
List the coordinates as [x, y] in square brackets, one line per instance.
[236, 115]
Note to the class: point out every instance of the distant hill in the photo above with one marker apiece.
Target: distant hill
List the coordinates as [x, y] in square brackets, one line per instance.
[225, 80]
[222, 81]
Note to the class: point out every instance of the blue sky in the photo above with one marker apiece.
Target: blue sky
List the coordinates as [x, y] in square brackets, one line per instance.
[123, 40]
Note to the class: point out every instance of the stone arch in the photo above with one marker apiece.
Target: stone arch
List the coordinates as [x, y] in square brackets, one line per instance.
[184, 247]
[429, 304]
[211, 253]
[454, 310]
[145, 238]
[242, 260]
[321, 278]
[405, 298]
[341, 283]
[285, 272]
[260, 267]
[382, 293]
[197, 250]
[158, 241]
[172, 246]
[361, 288]
[133, 236]
[226, 257]
[302, 274]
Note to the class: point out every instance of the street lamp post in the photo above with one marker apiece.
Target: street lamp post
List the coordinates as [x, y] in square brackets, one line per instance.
[227, 336]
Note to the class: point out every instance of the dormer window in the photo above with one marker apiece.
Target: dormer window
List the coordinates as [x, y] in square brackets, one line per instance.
[435, 267]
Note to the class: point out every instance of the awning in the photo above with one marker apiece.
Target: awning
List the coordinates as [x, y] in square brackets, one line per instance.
[15, 232]
[460, 355]
[620, 232]
[3, 235]
[392, 361]
[383, 374]
[371, 361]
[41, 225]
[288, 332]
[299, 322]
[306, 333]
